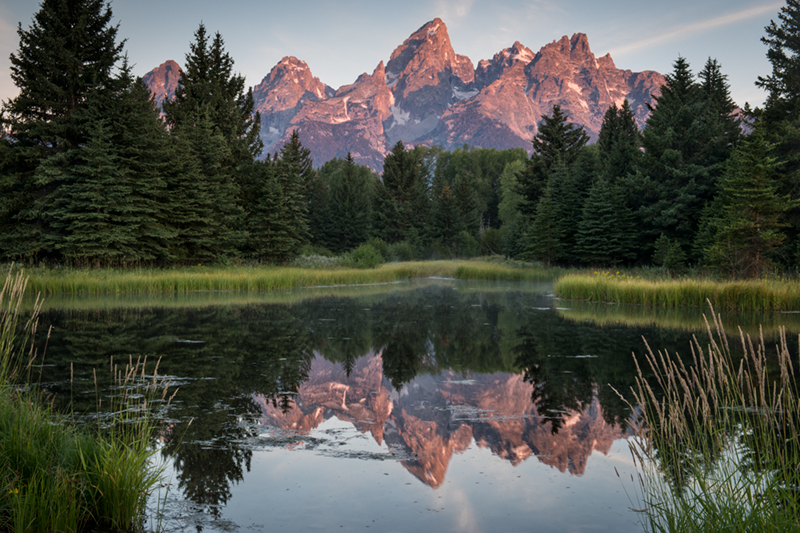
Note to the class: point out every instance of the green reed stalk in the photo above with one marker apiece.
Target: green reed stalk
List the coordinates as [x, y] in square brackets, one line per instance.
[268, 277]
[55, 476]
[756, 295]
[717, 443]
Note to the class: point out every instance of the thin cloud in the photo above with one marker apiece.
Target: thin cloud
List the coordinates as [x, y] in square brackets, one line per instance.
[688, 29]
[453, 10]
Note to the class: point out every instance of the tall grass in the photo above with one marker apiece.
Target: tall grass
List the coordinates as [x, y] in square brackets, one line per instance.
[755, 295]
[266, 277]
[717, 446]
[55, 476]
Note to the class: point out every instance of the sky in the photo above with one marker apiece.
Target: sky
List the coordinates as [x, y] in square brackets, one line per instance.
[340, 39]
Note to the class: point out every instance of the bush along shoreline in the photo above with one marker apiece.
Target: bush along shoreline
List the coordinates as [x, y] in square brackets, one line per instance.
[56, 475]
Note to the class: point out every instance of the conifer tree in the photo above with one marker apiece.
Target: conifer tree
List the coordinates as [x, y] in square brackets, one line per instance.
[351, 206]
[619, 142]
[69, 50]
[557, 140]
[750, 229]
[545, 234]
[685, 148]
[402, 203]
[296, 173]
[606, 230]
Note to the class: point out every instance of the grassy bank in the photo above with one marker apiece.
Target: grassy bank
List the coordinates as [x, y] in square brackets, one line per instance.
[754, 295]
[718, 443]
[266, 277]
[54, 475]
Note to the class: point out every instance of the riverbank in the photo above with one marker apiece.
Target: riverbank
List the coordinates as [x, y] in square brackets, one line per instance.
[201, 278]
[753, 295]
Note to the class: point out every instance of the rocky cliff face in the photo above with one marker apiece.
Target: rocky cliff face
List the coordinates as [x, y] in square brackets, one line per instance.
[426, 93]
[437, 417]
[163, 80]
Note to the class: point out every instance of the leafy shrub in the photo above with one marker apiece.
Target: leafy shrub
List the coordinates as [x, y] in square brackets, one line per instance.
[365, 256]
[402, 251]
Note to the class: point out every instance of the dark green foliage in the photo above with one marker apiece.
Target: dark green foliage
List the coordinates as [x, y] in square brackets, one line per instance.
[685, 148]
[545, 233]
[69, 50]
[401, 202]
[364, 256]
[295, 174]
[783, 85]
[351, 192]
[209, 87]
[619, 142]
[607, 227]
[749, 229]
[557, 140]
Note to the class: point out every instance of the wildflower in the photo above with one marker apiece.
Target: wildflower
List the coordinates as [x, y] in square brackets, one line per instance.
[13, 491]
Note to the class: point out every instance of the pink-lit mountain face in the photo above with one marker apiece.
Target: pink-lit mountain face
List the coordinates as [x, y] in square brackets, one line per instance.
[428, 94]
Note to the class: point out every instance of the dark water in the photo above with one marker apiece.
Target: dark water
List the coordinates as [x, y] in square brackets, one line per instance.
[432, 405]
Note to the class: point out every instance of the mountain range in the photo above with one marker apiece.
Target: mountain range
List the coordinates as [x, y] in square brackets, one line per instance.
[427, 94]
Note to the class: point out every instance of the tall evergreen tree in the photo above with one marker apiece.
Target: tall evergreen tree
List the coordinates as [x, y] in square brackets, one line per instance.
[402, 203]
[557, 140]
[619, 142]
[296, 174]
[69, 50]
[782, 110]
[749, 230]
[685, 148]
[351, 206]
[545, 233]
[606, 230]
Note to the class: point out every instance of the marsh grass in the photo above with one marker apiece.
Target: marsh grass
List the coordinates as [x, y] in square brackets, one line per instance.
[54, 475]
[755, 295]
[267, 277]
[717, 444]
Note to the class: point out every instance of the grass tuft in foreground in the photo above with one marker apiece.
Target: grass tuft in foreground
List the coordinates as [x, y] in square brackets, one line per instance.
[755, 295]
[54, 475]
[717, 444]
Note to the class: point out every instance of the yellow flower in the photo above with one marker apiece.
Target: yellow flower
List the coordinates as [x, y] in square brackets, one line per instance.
[13, 491]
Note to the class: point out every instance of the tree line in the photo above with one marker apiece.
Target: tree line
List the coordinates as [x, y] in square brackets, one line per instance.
[92, 172]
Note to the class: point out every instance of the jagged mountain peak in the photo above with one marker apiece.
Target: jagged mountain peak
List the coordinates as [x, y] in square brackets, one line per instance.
[163, 80]
[426, 93]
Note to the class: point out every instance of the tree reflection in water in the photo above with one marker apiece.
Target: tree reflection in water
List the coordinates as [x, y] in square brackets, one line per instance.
[426, 370]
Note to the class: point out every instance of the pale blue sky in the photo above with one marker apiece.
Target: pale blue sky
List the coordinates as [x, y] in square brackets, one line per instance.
[341, 39]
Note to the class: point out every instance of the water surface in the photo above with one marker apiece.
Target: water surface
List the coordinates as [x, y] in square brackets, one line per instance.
[430, 405]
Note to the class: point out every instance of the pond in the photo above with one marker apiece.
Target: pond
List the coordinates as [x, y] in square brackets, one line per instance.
[428, 405]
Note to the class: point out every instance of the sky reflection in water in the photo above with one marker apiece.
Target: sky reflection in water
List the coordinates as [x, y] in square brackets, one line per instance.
[447, 406]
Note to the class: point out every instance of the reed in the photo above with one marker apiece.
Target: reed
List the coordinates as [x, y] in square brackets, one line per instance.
[716, 443]
[55, 475]
[266, 277]
[755, 295]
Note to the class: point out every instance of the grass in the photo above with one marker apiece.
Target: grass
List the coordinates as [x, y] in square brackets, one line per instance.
[54, 475]
[717, 444]
[267, 277]
[754, 295]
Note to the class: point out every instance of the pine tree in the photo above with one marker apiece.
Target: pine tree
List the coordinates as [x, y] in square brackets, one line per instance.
[351, 206]
[208, 86]
[606, 230]
[69, 50]
[781, 112]
[545, 234]
[750, 228]
[402, 204]
[271, 234]
[619, 142]
[685, 148]
[296, 173]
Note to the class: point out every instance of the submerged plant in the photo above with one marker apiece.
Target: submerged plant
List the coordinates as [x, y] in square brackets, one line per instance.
[717, 445]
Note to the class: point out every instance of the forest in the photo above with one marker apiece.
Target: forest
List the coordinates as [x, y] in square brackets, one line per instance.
[93, 173]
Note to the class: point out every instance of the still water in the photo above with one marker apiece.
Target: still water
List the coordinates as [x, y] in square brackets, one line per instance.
[431, 405]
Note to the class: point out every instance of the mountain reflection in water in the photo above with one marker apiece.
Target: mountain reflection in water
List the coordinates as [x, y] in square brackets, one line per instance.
[432, 418]
[426, 375]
